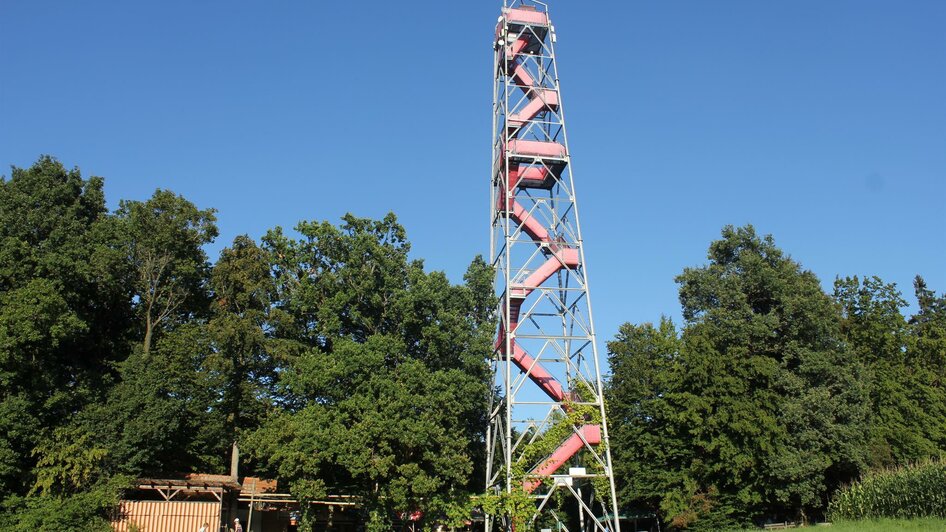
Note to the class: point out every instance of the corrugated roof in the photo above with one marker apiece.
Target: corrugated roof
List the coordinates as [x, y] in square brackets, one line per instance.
[167, 516]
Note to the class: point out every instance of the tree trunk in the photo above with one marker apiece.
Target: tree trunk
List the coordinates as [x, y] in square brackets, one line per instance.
[149, 327]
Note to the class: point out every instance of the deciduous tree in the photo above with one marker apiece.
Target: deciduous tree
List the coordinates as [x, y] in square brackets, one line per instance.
[385, 392]
[164, 239]
[65, 306]
[761, 408]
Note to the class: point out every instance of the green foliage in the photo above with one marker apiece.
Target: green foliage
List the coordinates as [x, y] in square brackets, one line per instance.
[772, 395]
[396, 437]
[906, 492]
[163, 241]
[68, 461]
[342, 366]
[907, 398]
[645, 433]
[563, 425]
[345, 366]
[386, 383]
[885, 525]
[87, 510]
[179, 406]
[158, 420]
[929, 332]
[18, 434]
[240, 363]
[754, 408]
[515, 506]
[65, 307]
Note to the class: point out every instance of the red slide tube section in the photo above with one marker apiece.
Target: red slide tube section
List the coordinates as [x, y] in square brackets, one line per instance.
[522, 77]
[560, 259]
[540, 100]
[515, 48]
[517, 70]
[514, 306]
[530, 225]
[568, 449]
[537, 374]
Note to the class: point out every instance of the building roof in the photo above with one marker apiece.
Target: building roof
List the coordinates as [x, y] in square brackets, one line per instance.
[194, 481]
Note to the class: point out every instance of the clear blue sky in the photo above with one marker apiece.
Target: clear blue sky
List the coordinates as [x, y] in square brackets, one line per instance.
[823, 123]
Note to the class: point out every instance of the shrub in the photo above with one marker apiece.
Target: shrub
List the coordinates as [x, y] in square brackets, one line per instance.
[907, 492]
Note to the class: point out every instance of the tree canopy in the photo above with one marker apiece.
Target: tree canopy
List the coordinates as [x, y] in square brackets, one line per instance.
[341, 366]
[334, 359]
[772, 393]
[385, 393]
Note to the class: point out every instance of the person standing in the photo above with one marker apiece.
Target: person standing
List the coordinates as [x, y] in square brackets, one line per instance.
[204, 528]
[237, 527]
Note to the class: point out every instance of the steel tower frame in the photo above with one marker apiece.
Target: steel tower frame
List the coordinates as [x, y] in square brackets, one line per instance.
[548, 434]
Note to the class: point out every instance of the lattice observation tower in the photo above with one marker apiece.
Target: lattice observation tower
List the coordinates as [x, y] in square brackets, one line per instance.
[547, 437]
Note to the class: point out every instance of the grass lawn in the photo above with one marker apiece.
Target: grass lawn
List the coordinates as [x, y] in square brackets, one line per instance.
[879, 525]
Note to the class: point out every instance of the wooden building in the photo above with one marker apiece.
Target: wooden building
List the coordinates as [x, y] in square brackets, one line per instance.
[183, 505]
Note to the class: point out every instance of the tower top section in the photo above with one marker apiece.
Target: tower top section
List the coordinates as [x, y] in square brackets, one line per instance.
[515, 18]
